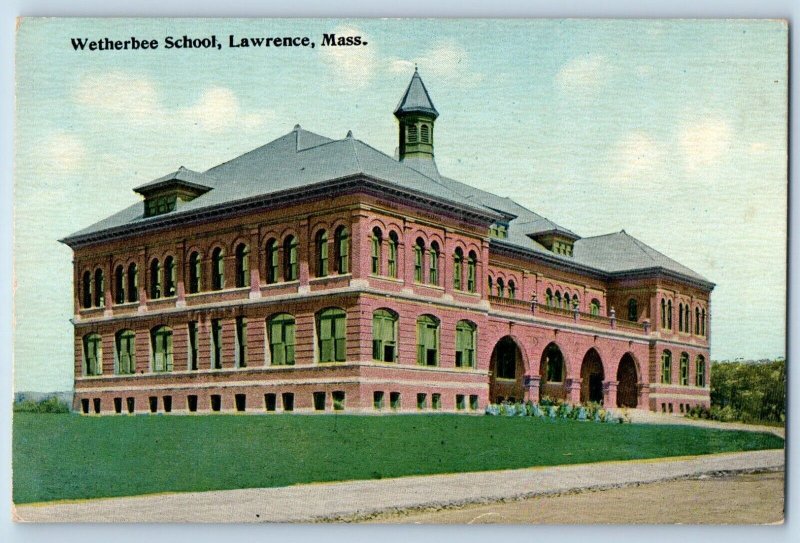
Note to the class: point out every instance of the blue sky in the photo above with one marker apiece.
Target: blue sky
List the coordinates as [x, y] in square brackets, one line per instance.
[672, 130]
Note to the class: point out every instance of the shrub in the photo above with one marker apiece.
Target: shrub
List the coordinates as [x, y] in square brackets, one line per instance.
[48, 405]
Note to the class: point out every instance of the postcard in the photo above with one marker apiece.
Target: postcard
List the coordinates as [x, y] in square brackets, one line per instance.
[446, 271]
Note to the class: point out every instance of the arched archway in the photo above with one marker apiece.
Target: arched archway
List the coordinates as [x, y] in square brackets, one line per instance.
[628, 380]
[592, 376]
[553, 371]
[507, 370]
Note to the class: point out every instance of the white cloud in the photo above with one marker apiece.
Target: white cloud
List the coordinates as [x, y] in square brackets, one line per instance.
[704, 143]
[585, 73]
[638, 156]
[135, 99]
[446, 61]
[63, 153]
[355, 65]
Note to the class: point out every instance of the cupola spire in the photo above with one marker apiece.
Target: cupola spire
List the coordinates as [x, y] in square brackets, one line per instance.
[416, 115]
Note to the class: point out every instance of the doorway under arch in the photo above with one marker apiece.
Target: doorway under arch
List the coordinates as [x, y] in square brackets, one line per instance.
[628, 381]
[507, 370]
[553, 371]
[592, 376]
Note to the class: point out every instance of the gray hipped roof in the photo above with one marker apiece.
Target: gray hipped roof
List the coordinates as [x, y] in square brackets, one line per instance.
[416, 99]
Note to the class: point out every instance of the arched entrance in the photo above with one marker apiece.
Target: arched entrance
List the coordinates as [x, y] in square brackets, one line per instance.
[507, 370]
[627, 378]
[592, 376]
[553, 371]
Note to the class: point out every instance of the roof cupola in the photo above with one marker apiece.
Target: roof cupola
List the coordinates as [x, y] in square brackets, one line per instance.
[416, 115]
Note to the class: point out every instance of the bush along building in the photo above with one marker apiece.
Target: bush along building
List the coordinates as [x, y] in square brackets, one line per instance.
[313, 274]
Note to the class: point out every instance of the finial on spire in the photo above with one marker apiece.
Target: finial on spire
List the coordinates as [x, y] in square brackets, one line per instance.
[297, 127]
[349, 133]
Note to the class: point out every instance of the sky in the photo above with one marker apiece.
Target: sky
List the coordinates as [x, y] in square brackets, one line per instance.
[675, 131]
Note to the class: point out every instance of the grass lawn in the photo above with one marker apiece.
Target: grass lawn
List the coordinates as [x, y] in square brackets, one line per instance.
[70, 456]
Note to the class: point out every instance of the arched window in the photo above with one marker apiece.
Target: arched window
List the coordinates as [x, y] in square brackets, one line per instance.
[576, 302]
[195, 273]
[554, 364]
[321, 252]
[242, 265]
[458, 259]
[342, 240]
[155, 279]
[633, 310]
[427, 341]
[466, 333]
[491, 286]
[669, 314]
[170, 276]
[392, 264]
[119, 285]
[99, 288]
[384, 336]
[272, 261]
[594, 306]
[126, 352]
[419, 251]
[376, 241]
[663, 313]
[680, 317]
[558, 301]
[161, 338]
[548, 298]
[281, 331]
[133, 283]
[700, 371]
[433, 270]
[703, 322]
[666, 367]
[684, 369]
[512, 290]
[290, 263]
[425, 133]
[86, 289]
[501, 287]
[92, 354]
[472, 271]
[331, 331]
[218, 269]
[412, 133]
[687, 325]
[697, 321]
[567, 301]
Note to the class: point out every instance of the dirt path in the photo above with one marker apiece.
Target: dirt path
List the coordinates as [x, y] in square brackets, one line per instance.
[739, 499]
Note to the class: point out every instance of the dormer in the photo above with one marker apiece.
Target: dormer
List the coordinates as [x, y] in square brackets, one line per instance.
[559, 242]
[167, 193]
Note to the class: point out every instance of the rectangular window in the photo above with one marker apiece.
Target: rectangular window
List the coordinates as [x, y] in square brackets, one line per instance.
[281, 340]
[338, 400]
[436, 401]
[392, 258]
[117, 405]
[422, 400]
[460, 403]
[394, 400]
[418, 264]
[473, 402]
[669, 406]
[241, 342]
[332, 337]
[383, 336]
[319, 401]
[85, 405]
[216, 344]
[167, 401]
[376, 255]
[216, 402]
[287, 398]
[377, 399]
[241, 402]
[96, 402]
[153, 403]
[194, 346]
[269, 402]
[428, 342]
[191, 402]
[131, 404]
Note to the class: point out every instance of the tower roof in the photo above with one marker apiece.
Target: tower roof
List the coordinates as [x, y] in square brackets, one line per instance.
[416, 99]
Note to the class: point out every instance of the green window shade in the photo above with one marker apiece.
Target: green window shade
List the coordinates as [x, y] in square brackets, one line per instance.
[133, 283]
[666, 367]
[162, 349]
[241, 342]
[195, 272]
[332, 332]
[281, 338]
[194, 347]
[126, 358]
[392, 258]
[471, 274]
[457, 272]
[242, 266]
[93, 354]
[465, 345]
[343, 249]
[322, 254]
[427, 342]
[218, 269]
[272, 262]
[376, 255]
[433, 272]
[700, 372]
[684, 369]
[290, 259]
[216, 344]
[170, 277]
[418, 264]
[384, 346]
